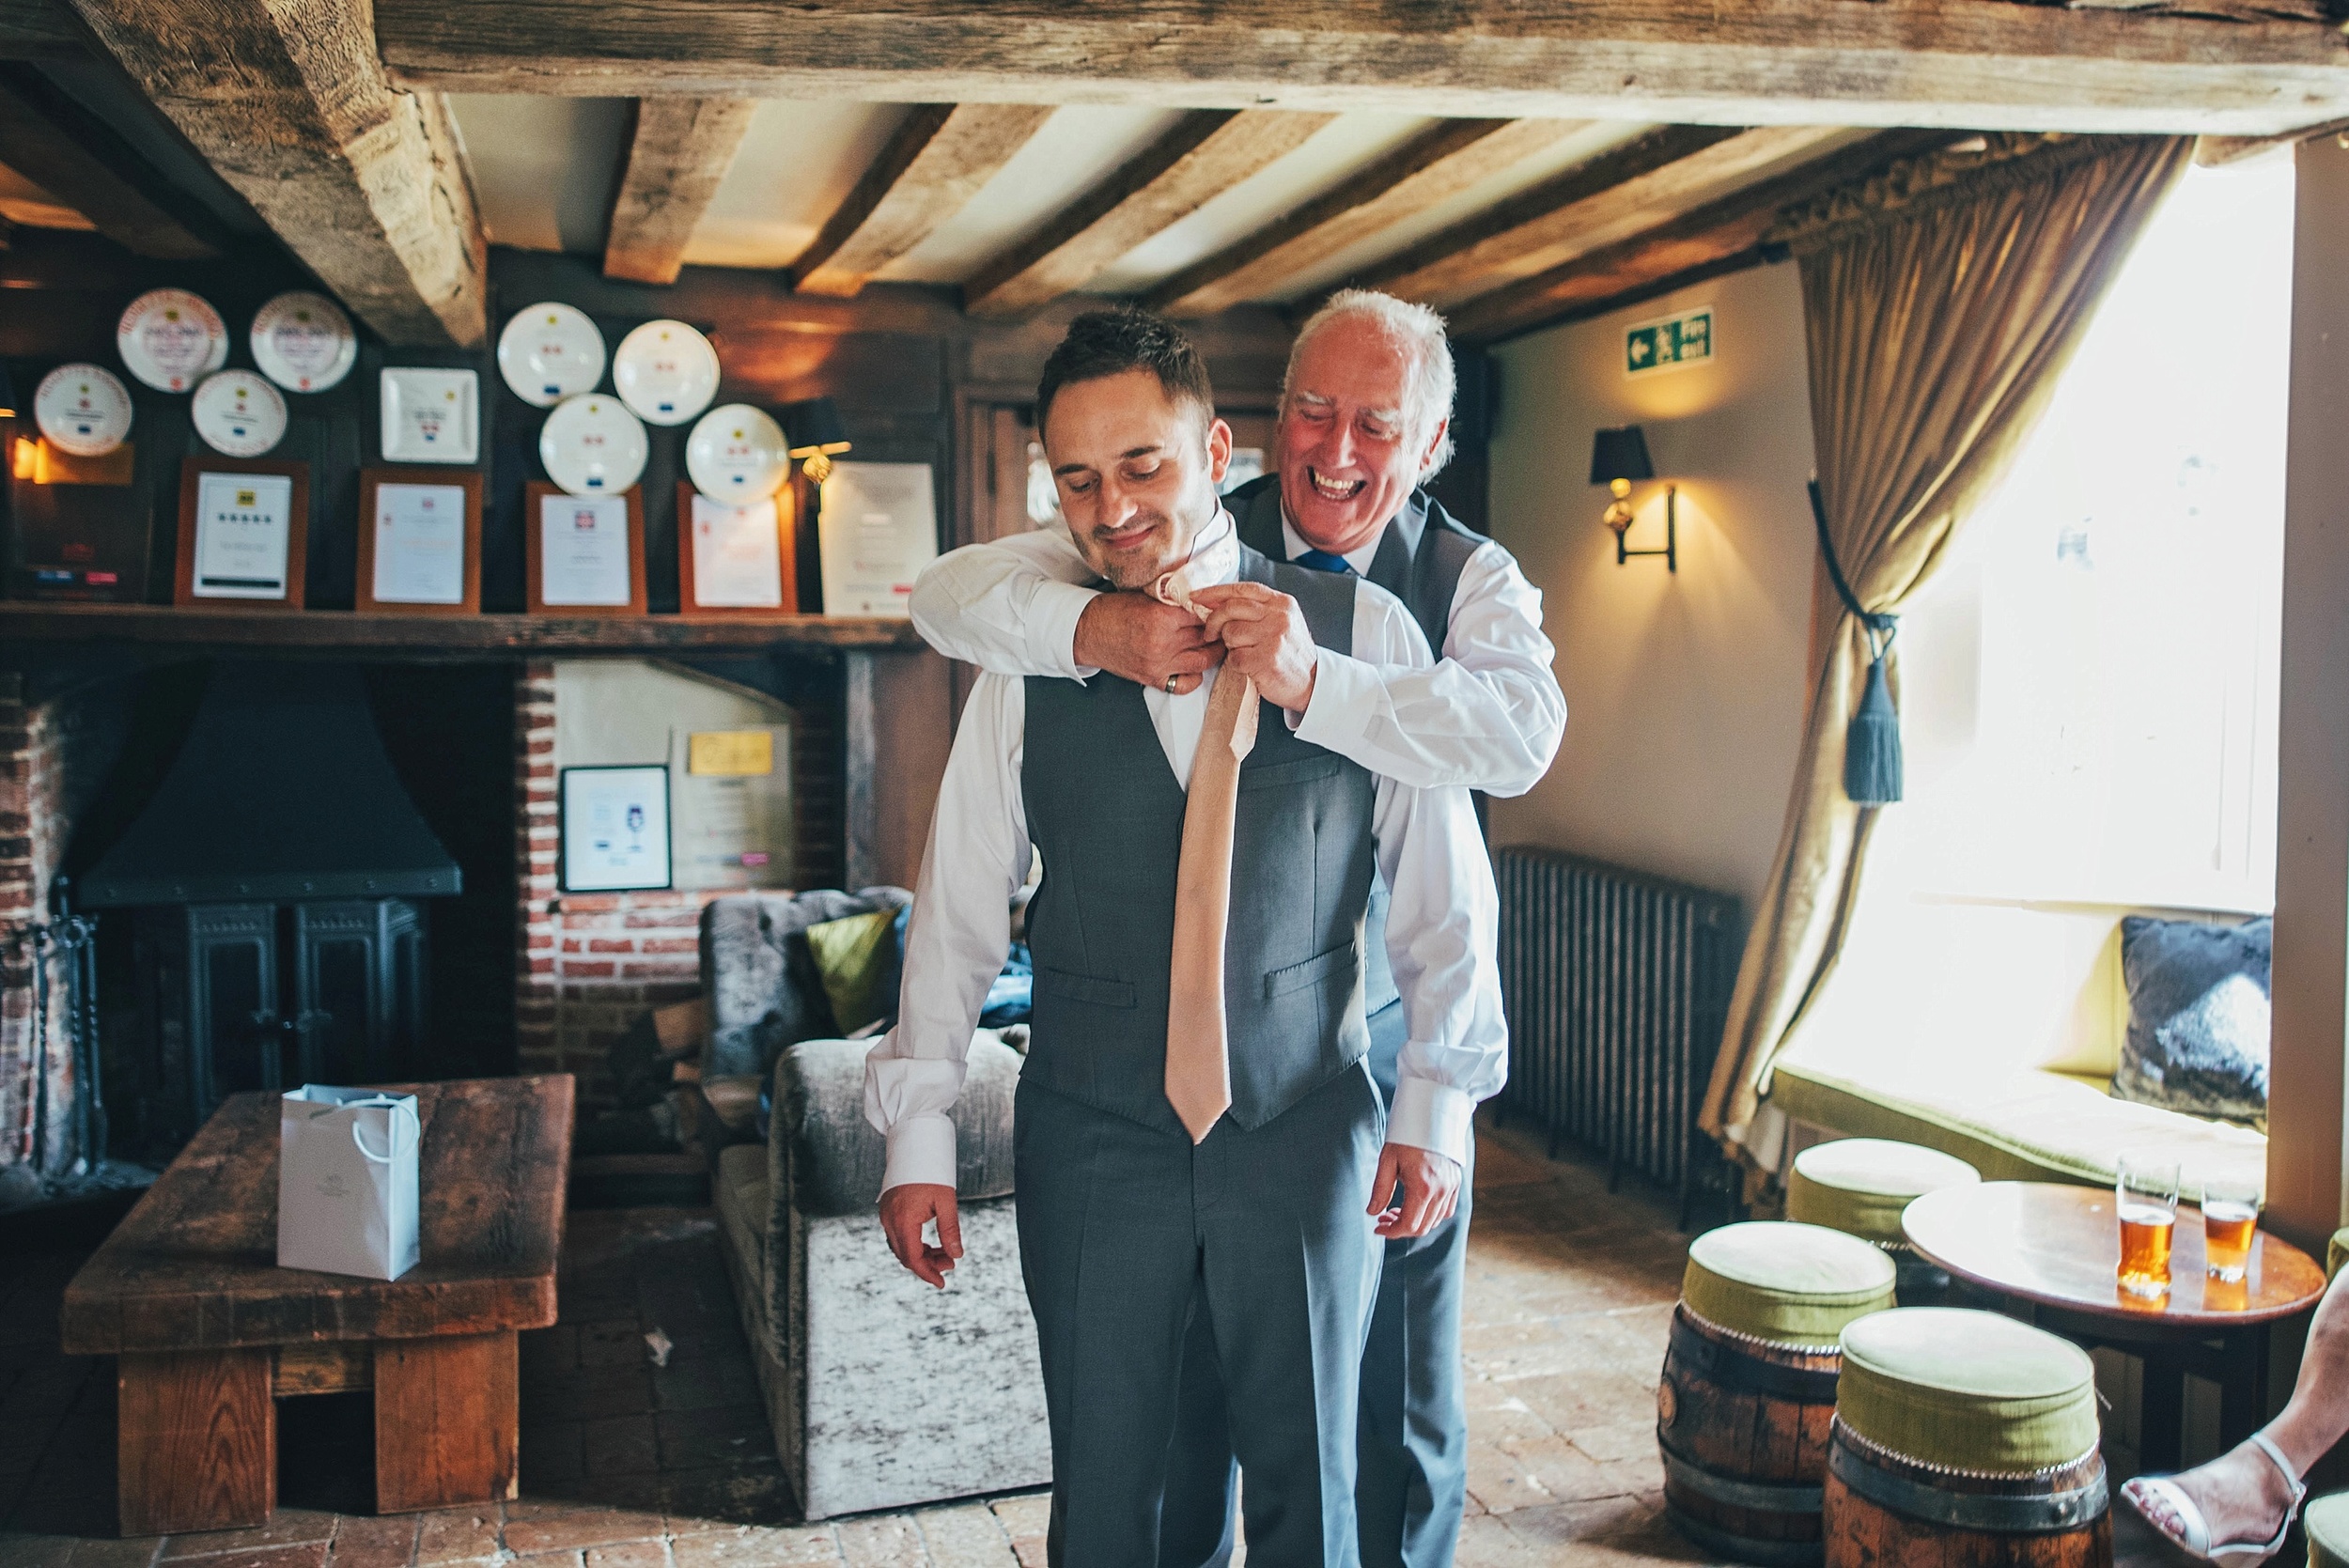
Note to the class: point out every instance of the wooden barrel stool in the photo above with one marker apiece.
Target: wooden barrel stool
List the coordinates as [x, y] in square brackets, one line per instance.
[1860, 1185]
[1964, 1439]
[1749, 1387]
[2325, 1520]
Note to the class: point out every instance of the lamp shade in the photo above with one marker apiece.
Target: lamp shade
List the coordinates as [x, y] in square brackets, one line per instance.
[1620, 455]
[813, 427]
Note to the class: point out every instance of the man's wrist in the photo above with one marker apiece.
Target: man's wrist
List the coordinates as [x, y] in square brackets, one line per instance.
[1433, 1116]
[920, 1149]
[1056, 632]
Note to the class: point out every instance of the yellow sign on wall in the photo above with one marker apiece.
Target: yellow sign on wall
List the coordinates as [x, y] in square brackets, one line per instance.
[730, 754]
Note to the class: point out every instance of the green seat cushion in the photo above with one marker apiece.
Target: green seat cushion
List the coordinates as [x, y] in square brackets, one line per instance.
[853, 958]
[2326, 1522]
[1968, 1390]
[1859, 1186]
[1789, 1284]
[2335, 1252]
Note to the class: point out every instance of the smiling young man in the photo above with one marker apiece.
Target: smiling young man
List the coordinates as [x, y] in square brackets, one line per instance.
[1253, 1245]
[1364, 423]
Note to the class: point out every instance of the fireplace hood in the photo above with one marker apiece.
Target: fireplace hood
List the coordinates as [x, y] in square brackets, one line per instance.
[282, 792]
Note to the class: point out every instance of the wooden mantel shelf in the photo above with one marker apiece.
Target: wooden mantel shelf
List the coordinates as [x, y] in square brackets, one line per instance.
[440, 636]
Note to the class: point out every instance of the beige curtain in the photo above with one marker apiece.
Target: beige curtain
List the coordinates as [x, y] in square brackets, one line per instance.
[1941, 305]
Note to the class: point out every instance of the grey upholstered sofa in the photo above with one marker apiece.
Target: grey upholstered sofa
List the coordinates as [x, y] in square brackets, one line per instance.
[883, 1392]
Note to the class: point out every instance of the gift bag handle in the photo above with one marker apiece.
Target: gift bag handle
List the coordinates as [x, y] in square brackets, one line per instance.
[393, 1143]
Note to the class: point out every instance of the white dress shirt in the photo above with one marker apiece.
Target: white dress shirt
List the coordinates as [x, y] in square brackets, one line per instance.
[1441, 923]
[1488, 716]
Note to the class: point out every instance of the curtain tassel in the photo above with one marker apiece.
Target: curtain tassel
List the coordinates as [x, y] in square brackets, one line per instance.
[1872, 746]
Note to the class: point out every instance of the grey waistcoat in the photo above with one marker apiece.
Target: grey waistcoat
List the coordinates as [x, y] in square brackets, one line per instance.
[1420, 560]
[1106, 812]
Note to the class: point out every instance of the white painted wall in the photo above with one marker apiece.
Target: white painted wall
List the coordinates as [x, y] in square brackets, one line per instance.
[1685, 692]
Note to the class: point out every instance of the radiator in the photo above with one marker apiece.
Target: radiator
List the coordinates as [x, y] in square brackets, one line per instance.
[1616, 987]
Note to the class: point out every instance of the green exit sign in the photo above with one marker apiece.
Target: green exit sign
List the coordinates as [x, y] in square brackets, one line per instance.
[1672, 343]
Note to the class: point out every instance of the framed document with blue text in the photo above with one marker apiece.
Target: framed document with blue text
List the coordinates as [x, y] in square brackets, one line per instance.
[615, 828]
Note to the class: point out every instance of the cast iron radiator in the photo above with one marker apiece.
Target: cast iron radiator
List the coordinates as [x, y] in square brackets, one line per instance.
[1616, 987]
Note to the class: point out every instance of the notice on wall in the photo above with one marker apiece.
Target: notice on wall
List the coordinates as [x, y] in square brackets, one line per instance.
[734, 815]
[583, 550]
[1669, 343]
[419, 544]
[879, 528]
[738, 555]
[244, 523]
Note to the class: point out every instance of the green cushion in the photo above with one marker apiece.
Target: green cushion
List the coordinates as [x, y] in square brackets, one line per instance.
[1966, 1390]
[852, 956]
[1793, 1284]
[1859, 1186]
[2335, 1252]
[2326, 1522]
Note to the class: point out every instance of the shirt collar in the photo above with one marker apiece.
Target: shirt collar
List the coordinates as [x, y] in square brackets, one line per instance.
[1358, 558]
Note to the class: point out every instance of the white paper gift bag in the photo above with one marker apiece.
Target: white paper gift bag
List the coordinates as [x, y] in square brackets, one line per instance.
[346, 1181]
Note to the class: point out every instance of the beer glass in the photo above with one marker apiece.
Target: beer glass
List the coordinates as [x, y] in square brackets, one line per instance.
[2146, 1195]
[2231, 1215]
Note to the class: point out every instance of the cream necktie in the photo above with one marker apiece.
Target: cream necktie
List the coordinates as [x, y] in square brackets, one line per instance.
[1198, 1058]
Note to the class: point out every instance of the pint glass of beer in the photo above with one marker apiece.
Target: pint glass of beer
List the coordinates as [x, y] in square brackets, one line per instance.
[2231, 1214]
[2146, 1194]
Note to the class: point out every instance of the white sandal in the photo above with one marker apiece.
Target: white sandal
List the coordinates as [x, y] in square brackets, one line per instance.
[2192, 1534]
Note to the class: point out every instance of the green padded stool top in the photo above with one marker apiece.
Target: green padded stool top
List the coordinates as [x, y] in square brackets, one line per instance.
[1859, 1186]
[2327, 1521]
[1967, 1391]
[1789, 1284]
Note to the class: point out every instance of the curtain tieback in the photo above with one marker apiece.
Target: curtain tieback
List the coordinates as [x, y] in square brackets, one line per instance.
[1872, 747]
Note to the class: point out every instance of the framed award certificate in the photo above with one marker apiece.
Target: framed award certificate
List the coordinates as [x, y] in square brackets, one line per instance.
[615, 828]
[735, 560]
[586, 553]
[878, 527]
[420, 541]
[244, 525]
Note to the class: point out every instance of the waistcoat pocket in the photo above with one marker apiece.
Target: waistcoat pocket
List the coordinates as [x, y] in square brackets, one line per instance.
[1085, 987]
[1277, 775]
[1313, 972]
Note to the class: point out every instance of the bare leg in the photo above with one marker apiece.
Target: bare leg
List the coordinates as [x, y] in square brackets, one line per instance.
[2240, 1493]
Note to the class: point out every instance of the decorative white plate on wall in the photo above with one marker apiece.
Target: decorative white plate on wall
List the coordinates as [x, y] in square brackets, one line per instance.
[666, 371]
[170, 338]
[432, 417]
[550, 351]
[304, 342]
[238, 414]
[83, 409]
[592, 445]
[738, 454]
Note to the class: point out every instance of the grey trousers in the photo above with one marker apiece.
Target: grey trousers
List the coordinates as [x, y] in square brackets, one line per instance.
[1135, 1244]
[1411, 1482]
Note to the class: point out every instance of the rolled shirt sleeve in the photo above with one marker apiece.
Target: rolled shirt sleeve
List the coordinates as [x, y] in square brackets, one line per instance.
[1009, 606]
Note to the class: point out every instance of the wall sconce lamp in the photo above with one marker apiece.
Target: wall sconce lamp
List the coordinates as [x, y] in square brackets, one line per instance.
[1618, 458]
[815, 433]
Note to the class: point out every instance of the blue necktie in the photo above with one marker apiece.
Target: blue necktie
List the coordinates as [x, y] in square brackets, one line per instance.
[1321, 560]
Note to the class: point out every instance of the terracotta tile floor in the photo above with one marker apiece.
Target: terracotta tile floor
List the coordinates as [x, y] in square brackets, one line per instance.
[625, 1464]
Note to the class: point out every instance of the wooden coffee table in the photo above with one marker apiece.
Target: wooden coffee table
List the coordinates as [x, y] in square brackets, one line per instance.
[207, 1329]
[2053, 1250]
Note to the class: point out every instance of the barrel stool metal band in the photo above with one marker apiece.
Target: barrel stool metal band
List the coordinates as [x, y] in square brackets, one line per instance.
[1745, 1548]
[1745, 1375]
[2044, 1511]
[1763, 1496]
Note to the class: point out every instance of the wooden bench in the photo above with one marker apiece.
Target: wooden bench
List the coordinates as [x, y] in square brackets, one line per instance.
[207, 1329]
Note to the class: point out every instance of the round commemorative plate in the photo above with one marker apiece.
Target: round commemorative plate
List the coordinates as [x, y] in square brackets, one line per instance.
[171, 338]
[666, 371]
[592, 445]
[549, 352]
[238, 414]
[304, 342]
[83, 409]
[737, 455]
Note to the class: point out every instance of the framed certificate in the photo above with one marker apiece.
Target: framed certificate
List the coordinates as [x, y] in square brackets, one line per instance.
[586, 553]
[615, 828]
[245, 527]
[420, 540]
[878, 527]
[737, 560]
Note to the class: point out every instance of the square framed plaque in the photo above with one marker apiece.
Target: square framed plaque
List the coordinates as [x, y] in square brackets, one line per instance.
[615, 828]
[420, 541]
[738, 561]
[585, 554]
[245, 534]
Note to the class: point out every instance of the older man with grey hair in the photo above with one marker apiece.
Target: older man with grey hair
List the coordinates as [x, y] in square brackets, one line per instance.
[1364, 423]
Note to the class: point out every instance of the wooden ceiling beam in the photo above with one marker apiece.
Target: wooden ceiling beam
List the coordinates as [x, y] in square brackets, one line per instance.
[1432, 167]
[928, 172]
[77, 159]
[40, 30]
[679, 151]
[2228, 67]
[1206, 153]
[1629, 189]
[366, 183]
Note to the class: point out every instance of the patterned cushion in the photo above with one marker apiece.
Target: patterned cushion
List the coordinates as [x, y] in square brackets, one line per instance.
[759, 978]
[2198, 1018]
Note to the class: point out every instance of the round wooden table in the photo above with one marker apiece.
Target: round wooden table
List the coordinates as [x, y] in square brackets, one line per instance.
[2054, 1251]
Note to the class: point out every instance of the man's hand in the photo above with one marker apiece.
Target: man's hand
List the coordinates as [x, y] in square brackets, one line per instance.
[905, 1210]
[1133, 635]
[1264, 638]
[1431, 1190]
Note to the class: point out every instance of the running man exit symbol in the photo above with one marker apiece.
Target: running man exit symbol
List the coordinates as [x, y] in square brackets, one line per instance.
[1672, 343]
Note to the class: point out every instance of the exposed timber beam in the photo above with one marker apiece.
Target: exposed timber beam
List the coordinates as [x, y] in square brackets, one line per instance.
[1431, 167]
[2227, 67]
[928, 172]
[678, 153]
[1208, 153]
[1629, 189]
[365, 182]
[1721, 236]
[40, 30]
[77, 158]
